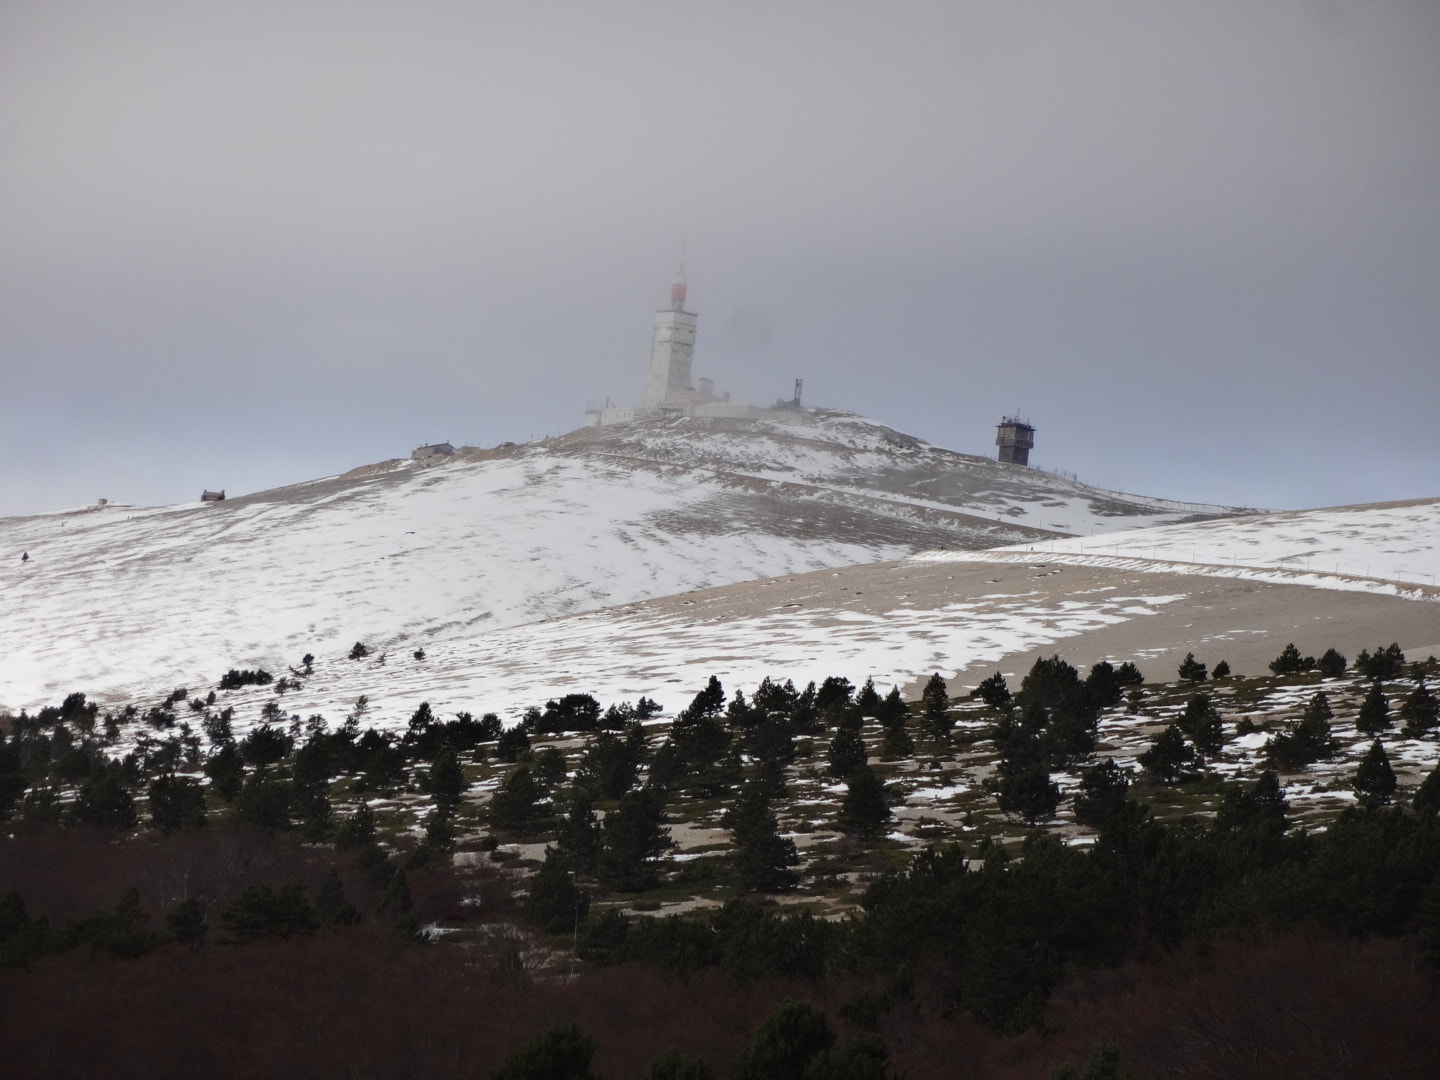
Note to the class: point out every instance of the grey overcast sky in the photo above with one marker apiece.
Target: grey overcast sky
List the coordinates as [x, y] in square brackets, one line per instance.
[246, 244]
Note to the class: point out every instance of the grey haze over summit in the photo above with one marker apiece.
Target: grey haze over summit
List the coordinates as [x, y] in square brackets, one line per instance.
[248, 245]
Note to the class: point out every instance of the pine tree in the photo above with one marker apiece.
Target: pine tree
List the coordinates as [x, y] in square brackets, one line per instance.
[331, 904]
[763, 858]
[1420, 712]
[1103, 685]
[1331, 664]
[1288, 662]
[176, 802]
[105, 800]
[891, 709]
[514, 806]
[1387, 663]
[897, 742]
[1221, 671]
[1309, 740]
[993, 691]
[1103, 1064]
[446, 781]
[1191, 670]
[562, 1053]
[1170, 760]
[1374, 780]
[1374, 711]
[935, 706]
[1259, 807]
[1129, 675]
[847, 746]
[868, 700]
[633, 836]
[865, 809]
[578, 834]
[555, 903]
[187, 923]
[1202, 723]
[1102, 794]
[259, 912]
[265, 801]
[786, 1045]
[1023, 786]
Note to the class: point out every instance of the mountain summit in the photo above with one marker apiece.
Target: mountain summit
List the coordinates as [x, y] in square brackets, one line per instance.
[117, 598]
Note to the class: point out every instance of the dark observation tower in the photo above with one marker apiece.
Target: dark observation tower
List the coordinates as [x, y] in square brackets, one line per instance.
[1015, 438]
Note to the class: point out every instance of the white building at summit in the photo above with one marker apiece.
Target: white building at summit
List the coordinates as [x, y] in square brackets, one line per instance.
[669, 390]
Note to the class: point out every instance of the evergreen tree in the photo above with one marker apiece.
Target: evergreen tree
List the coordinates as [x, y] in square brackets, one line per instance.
[421, 719]
[1309, 740]
[310, 778]
[1420, 711]
[1191, 670]
[446, 780]
[512, 743]
[358, 830]
[710, 701]
[1387, 663]
[763, 858]
[515, 804]
[1331, 664]
[893, 717]
[993, 691]
[1102, 794]
[1070, 733]
[1426, 800]
[331, 905]
[176, 802]
[266, 745]
[1202, 723]
[1129, 675]
[1374, 780]
[1374, 715]
[865, 810]
[105, 800]
[610, 765]
[1103, 685]
[549, 766]
[1261, 807]
[790, 1039]
[555, 903]
[265, 801]
[259, 912]
[935, 708]
[1103, 1064]
[892, 709]
[834, 692]
[1221, 671]
[633, 837]
[1170, 759]
[847, 746]
[562, 1053]
[868, 700]
[1023, 786]
[1288, 662]
[578, 834]
[187, 923]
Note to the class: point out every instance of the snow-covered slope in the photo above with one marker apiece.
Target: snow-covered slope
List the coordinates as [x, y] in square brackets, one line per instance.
[115, 599]
[1380, 547]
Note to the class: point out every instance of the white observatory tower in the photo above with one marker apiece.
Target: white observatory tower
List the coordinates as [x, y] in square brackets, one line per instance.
[672, 350]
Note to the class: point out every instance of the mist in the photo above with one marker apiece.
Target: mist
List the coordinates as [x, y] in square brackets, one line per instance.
[248, 245]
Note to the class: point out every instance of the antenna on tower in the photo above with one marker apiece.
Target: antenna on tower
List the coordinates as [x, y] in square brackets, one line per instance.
[799, 385]
[677, 287]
